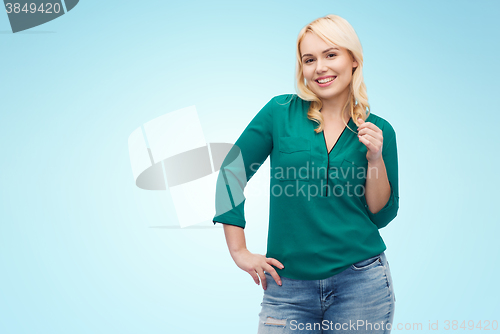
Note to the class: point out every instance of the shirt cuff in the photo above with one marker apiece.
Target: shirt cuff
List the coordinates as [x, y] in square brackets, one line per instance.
[232, 217]
[387, 213]
[239, 224]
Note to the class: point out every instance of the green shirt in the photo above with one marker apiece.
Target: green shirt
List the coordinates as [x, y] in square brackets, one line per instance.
[315, 230]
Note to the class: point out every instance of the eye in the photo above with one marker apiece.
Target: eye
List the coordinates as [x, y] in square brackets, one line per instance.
[330, 54]
[307, 61]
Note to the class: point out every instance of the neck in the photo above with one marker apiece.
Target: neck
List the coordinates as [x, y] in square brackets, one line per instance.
[334, 109]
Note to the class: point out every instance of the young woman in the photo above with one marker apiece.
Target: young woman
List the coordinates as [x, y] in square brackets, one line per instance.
[334, 184]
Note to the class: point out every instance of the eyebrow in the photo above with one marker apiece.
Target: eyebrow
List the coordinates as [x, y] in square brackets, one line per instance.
[330, 49]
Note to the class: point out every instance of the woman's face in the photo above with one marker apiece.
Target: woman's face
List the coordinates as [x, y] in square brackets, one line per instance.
[323, 61]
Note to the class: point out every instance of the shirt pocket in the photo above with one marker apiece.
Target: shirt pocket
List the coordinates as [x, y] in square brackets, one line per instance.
[352, 170]
[294, 159]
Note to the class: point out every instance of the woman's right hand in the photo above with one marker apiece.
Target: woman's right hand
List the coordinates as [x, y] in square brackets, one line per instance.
[256, 264]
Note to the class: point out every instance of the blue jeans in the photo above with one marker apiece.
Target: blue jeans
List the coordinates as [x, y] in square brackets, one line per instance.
[358, 300]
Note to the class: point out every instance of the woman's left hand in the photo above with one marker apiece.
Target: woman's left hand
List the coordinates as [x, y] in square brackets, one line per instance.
[370, 135]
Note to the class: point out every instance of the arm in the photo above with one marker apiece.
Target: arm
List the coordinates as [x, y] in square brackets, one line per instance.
[378, 189]
[254, 264]
[235, 239]
[382, 189]
[243, 160]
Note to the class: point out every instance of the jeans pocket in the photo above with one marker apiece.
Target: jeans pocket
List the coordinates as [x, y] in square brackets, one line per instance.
[389, 278]
[368, 263]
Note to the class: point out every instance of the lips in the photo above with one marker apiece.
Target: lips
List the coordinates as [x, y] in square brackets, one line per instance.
[327, 77]
[326, 84]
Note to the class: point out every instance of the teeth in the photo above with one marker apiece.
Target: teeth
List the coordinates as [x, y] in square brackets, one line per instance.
[326, 80]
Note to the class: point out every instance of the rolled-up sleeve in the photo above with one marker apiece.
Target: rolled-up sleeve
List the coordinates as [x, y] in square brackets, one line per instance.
[390, 155]
[242, 161]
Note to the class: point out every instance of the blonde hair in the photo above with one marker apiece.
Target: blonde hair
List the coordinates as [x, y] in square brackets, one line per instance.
[334, 29]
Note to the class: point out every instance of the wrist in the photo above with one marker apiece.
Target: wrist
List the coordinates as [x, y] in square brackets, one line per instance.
[239, 251]
[377, 162]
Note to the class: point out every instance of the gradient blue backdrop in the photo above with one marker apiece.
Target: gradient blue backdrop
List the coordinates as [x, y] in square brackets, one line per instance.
[83, 250]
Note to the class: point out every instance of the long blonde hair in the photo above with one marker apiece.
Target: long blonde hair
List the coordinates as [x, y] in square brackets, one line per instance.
[334, 29]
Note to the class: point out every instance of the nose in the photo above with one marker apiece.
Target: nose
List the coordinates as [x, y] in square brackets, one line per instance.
[320, 67]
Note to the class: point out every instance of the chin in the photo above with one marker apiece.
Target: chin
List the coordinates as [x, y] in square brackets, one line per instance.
[327, 95]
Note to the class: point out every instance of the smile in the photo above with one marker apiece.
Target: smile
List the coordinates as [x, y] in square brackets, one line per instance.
[326, 81]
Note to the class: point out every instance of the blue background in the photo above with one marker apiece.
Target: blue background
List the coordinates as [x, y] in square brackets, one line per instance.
[83, 250]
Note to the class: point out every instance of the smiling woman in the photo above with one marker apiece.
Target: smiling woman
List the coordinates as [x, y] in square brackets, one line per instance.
[329, 48]
[334, 184]
[338, 63]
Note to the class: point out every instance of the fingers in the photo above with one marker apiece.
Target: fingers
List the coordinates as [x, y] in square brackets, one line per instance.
[371, 139]
[272, 271]
[260, 271]
[274, 274]
[364, 140]
[275, 262]
[255, 277]
[375, 132]
[368, 127]
[371, 144]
